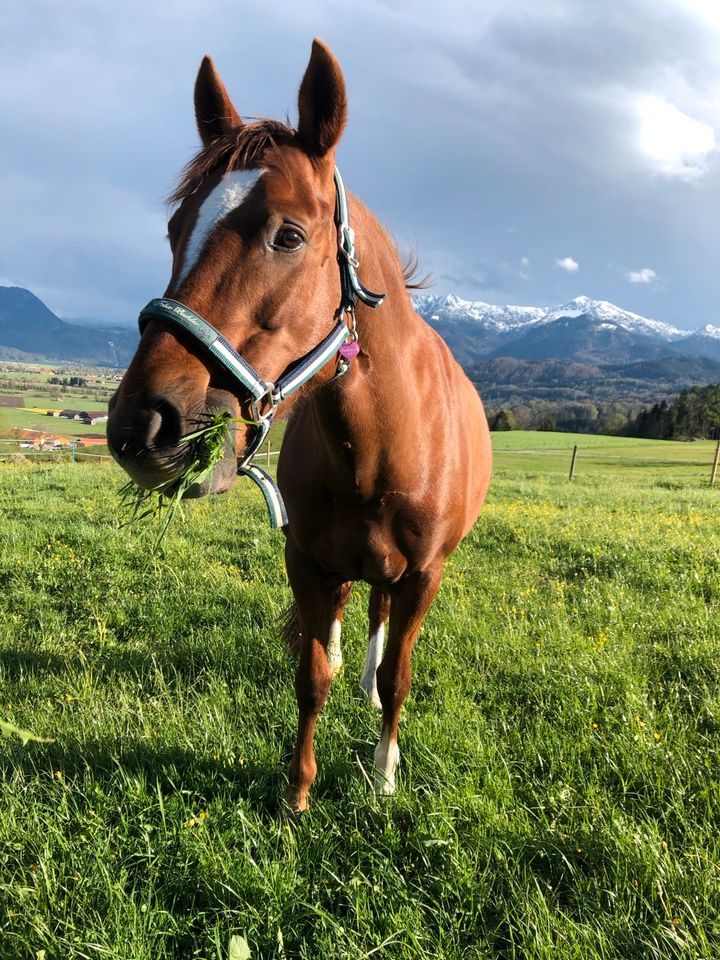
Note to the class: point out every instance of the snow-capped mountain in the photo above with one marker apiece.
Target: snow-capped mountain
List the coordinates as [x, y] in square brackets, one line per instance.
[708, 331]
[581, 329]
[607, 313]
[454, 309]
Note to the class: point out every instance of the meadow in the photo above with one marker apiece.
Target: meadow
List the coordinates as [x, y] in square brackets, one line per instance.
[559, 793]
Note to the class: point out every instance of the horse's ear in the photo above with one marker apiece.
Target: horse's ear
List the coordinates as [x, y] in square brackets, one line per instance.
[214, 111]
[322, 103]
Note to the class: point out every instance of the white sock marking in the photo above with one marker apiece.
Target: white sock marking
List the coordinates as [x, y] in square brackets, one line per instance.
[334, 651]
[373, 657]
[387, 758]
[226, 197]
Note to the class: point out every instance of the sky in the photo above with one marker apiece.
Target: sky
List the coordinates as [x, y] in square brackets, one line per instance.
[530, 150]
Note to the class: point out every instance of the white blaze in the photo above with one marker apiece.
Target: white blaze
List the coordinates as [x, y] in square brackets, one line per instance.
[227, 196]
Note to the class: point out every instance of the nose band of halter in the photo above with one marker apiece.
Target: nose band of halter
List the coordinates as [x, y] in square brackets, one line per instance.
[204, 333]
[177, 315]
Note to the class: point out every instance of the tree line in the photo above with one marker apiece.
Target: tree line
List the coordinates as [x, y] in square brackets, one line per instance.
[582, 416]
[695, 412]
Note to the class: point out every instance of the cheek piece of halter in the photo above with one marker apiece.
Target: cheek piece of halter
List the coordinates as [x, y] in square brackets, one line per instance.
[342, 342]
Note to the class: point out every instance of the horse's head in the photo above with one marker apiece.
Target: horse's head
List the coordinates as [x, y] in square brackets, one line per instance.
[254, 247]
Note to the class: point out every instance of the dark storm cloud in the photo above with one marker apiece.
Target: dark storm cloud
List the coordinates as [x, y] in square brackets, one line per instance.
[481, 135]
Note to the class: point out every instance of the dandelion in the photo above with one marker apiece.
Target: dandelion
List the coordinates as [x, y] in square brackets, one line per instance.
[594, 726]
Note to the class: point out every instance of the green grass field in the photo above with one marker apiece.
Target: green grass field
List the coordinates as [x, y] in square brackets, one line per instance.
[614, 457]
[560, 778]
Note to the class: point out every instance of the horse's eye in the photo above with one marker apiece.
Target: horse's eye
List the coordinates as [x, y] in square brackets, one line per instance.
[288, 238]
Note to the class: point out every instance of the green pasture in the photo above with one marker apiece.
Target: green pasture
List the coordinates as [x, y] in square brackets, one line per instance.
[668, 461]
[560, 777]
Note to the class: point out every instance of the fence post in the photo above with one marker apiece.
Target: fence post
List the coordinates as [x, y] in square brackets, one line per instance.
[572, 463]
[713, 473]
[73, 447]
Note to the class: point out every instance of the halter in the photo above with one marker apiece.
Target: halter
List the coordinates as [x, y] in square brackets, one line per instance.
[342, 340]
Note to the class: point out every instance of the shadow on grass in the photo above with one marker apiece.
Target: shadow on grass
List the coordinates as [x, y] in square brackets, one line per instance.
[168, 768]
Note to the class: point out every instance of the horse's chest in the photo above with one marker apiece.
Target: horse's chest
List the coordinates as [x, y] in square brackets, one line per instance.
[375, 542]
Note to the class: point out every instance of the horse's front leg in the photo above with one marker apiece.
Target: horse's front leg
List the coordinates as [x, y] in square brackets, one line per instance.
[411, 598]
[320, 599]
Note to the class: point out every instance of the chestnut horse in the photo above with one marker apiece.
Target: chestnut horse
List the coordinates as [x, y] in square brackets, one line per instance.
[384, 468]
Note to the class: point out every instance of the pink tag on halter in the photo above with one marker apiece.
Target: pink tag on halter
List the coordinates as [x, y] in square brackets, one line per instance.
[348, 351]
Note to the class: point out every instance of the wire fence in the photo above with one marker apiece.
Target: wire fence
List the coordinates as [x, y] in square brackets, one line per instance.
[563, 460]
[596, 459]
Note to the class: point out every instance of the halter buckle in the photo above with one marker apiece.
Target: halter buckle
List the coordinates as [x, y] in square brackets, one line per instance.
[346, 244]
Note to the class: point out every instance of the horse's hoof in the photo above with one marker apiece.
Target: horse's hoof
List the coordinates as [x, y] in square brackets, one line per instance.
[294, 805]
[369, 689]
[387, 759]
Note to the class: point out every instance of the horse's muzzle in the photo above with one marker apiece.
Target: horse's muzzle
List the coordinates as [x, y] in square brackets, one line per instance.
[147, 440]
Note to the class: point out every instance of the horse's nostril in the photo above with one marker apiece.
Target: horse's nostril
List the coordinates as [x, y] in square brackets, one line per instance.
[164, 427]
[157, 425]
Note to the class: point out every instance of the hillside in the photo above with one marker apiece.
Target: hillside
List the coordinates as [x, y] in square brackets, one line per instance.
[30, 330]
[506, 380]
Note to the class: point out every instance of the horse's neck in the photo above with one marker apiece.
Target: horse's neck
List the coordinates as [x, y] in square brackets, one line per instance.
[374, 407]
[384, 332]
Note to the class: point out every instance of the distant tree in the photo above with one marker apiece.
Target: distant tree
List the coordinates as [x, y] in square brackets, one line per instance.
[547, 423]
[613, 423]
[504, 419]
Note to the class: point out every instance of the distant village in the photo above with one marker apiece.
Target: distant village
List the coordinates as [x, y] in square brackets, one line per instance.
[37, 439]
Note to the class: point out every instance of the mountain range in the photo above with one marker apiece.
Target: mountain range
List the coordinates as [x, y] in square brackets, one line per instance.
[582, 349]
[582, 329]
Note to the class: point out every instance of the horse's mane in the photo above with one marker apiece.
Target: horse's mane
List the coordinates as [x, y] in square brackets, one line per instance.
[410, 267]
[244, 147]
[240, 148]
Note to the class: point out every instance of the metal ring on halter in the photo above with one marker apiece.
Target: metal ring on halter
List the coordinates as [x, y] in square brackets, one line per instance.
[352, 333]
[269, 395]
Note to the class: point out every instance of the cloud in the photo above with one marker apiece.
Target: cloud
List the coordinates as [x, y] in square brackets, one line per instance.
[524, 262]
[568, 264]
[675, 144]
[646, 275]
[527, 114]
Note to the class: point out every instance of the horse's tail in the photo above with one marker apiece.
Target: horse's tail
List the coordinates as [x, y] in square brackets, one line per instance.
[290, 627]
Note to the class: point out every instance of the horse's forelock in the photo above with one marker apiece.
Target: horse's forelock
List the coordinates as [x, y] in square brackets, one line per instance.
[242, 147]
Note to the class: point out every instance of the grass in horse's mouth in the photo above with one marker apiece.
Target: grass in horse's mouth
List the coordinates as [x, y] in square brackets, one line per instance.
[208, 446]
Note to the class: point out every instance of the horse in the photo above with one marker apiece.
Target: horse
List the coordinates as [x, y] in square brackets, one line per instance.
[386, 458]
